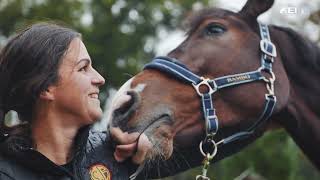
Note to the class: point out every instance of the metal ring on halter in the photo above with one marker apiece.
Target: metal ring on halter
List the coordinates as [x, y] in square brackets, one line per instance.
[270, 88]
[267, 80]
[208, 155]
[205, 81]
[273, 77]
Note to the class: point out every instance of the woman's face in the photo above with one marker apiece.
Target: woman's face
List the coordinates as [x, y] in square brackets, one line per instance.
[76, 93]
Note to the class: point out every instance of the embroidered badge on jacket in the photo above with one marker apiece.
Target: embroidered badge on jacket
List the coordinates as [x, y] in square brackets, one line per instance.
[99, 172]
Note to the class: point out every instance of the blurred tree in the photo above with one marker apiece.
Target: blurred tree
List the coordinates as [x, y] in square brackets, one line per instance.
[16, 14]
[122, 34]
[119, 34]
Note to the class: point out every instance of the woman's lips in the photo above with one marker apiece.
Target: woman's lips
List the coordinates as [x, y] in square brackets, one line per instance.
[94, 95]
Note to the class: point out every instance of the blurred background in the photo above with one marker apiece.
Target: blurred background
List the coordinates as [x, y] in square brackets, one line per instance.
[122, 35]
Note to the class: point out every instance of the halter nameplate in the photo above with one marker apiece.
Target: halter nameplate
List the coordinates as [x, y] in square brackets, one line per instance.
[177, 70]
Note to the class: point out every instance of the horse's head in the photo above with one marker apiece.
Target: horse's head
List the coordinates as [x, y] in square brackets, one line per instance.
[170, 112]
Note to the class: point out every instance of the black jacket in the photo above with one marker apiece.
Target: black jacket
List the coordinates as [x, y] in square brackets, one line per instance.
[93, 160]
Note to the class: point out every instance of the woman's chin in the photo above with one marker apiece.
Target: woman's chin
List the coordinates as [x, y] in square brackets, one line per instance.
[96, 115]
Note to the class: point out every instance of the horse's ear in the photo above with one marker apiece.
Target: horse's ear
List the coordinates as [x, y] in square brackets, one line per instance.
[253, 8]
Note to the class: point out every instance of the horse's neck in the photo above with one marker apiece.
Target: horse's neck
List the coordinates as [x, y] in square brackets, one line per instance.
[301, 117]
[303, 124]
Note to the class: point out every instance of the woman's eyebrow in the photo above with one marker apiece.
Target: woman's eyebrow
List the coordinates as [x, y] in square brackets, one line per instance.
[88, 61]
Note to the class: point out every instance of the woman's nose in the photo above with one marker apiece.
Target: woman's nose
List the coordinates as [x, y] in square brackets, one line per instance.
[98, 79]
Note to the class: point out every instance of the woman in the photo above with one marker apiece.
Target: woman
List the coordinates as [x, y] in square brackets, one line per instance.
[46, 76]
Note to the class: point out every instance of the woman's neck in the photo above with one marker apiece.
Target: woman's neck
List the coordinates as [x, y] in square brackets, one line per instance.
[53, 139]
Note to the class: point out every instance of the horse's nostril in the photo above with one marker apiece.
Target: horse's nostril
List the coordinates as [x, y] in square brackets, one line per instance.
[126, 109]
[126, 105]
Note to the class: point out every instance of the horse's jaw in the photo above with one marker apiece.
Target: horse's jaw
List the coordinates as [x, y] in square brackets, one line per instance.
[159, 132]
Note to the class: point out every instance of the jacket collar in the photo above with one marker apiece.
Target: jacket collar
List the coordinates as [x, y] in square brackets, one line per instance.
[22, 153]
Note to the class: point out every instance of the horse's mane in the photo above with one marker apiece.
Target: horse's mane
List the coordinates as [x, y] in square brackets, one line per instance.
[309, 51]
[301, 60]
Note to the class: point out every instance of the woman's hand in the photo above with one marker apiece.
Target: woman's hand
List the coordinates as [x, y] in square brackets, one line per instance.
[130, 145]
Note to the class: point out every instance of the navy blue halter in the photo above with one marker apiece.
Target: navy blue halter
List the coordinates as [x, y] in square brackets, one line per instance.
[177, 70]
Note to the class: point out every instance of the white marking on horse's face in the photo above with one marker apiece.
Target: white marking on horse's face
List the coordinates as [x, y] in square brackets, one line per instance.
[140, 87]
[122, 97]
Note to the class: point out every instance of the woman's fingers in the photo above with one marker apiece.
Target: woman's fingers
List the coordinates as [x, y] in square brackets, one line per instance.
[130, 146]
[127, 144]
[123, 152]
[144, 146]
[123, 137]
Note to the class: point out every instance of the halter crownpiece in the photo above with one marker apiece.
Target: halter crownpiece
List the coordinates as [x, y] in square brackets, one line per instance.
[179, 71]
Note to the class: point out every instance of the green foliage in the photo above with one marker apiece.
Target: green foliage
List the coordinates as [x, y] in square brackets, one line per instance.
[117, 34]
[16, 14]
[120, 30]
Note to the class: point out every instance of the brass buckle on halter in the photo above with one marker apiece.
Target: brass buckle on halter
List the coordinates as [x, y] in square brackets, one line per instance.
[205, 82]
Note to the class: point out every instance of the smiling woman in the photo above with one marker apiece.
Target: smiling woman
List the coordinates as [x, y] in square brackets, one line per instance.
[46, 76]
[77, 91]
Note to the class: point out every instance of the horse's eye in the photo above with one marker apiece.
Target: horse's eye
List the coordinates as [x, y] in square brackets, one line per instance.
[214, 29]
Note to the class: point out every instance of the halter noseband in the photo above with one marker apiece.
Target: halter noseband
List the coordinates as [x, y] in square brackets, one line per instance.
[268, 52]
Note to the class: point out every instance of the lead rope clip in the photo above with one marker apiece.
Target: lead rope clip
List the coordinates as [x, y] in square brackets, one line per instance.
[207, 158]
[206, 164]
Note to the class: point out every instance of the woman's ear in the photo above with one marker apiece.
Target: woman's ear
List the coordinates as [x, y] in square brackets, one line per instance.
[48, 94]
[253, 8]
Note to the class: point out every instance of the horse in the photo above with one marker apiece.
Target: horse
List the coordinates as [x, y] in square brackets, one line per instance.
[222, 87]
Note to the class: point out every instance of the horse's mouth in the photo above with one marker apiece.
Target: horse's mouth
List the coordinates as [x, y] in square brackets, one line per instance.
[159, 132]
[164, 119]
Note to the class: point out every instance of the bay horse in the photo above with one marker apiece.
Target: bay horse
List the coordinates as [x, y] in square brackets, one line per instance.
[223, 86]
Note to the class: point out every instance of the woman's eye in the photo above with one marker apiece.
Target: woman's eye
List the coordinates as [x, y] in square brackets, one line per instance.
[82, 69]
[214, 29]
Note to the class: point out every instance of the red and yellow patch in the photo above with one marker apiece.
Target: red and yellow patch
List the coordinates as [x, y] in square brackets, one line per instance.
[99, 172]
